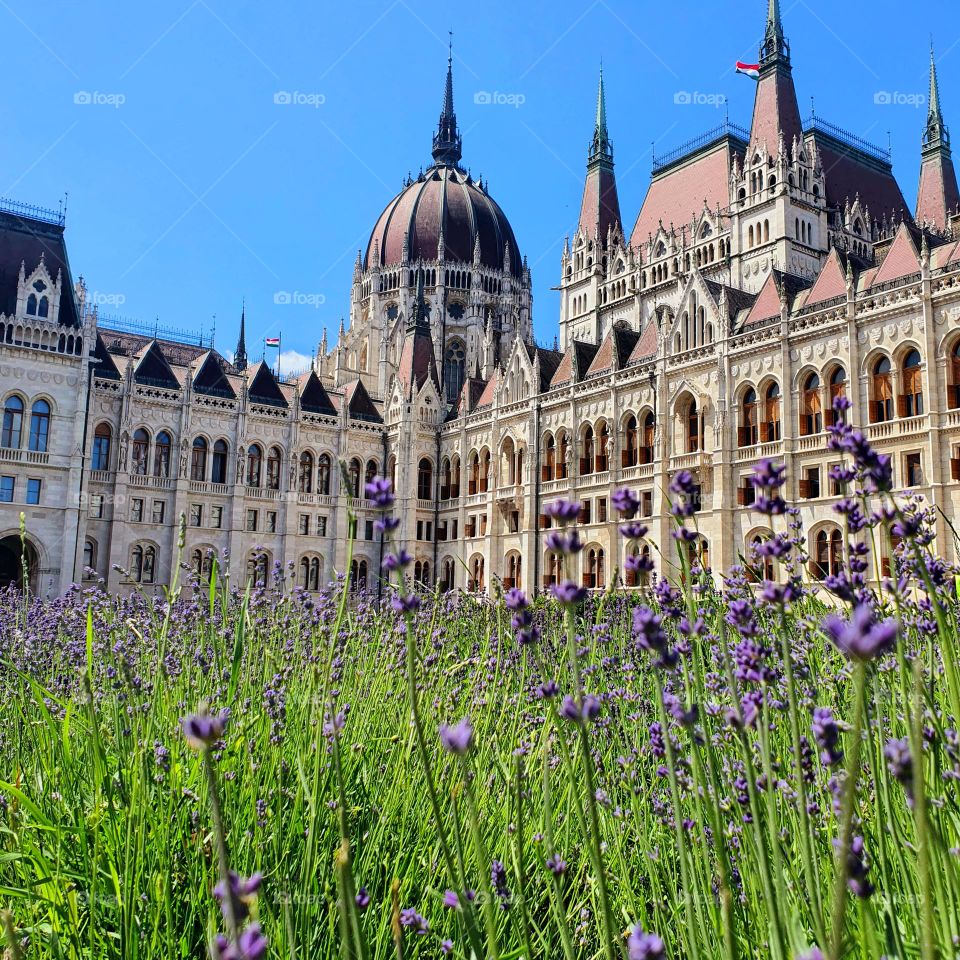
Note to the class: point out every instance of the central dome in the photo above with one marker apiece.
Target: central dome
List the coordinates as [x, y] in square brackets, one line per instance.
[444, 199]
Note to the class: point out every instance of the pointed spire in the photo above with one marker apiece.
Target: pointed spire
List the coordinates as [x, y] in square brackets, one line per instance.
[419, 319]
[447, 142]
[600, 206]
[601, 149]
[938, 193]
[775, 108]
[936, 134]
[240, 356]
[774, 44]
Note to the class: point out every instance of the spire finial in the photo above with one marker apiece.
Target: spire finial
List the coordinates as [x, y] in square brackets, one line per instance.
[601, 149]
[774, 44]
[936, 134]
[447, 142]
[240, 356]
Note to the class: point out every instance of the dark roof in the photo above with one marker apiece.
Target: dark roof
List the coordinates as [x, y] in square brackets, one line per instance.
[850, 173]
[25, 240]
[153, 370]
[211, 378]
[123, 344]
[417, 362]
[105, 368]
[359, 404]
[549, 361]
[737, 299]
[264, 387]
[314, 398]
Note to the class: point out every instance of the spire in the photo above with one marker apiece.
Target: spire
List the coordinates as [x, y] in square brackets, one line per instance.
[938, 194]
[775, 109]
[419, 319]
[600, 206]
[447, 142]
[240, 356]
[774, 44]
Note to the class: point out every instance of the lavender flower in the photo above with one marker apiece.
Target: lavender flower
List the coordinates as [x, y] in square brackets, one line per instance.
[556, 865]
[563, 511]
[362, 899]
[380, 491]
[568, 593]
[644, 946]
[414, 921]
[202, 730]
[625, 502]
[397, 561]
[826, 734]
[584, 712]
[861, 637]
[498, 878]
[457, 739]
[250, 945]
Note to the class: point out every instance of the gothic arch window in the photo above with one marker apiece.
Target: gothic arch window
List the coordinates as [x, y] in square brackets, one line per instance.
[771, 422]
[161, 454]
[12, 423]
[218, 471]
[631, 442]
[305, 472]
[39, 426]
[141, 446]
[43, 308]
[102, 438]
[838, 388]
[323, 474]
[354, 472]
[359, 573]
[89, 559]
[587, 459]
[881, 407]
[143, 563]
[477, 575]
[370, 474]
[602, 463]
[811, 407]
[274, 459]
[32, 305]
[748, 434]
[424, 479]
[549, 469]
[198, 459]
[310, 573]
[911, 398]
[594, 576]
[258, 564]
[512, 578]
[254, 465]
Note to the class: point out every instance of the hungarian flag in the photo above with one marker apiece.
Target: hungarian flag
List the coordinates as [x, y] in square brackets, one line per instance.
[272, 341]
[750, 69]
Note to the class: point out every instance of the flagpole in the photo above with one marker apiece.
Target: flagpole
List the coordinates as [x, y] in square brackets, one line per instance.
[279, 351]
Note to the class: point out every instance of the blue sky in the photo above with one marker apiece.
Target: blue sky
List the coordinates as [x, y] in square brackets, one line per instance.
[190, 188]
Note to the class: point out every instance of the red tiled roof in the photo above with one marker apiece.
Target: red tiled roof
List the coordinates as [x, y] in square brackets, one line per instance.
[775, 109]
[831, 283]
[678, 194]
[417, 362]
[486, 398]
[600, 206]
[767, 304]
[646, 346]
[603, 360]
[901, 259]
[937, 193]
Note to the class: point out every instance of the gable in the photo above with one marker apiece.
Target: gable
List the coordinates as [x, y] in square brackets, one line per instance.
[211, 380]
[264, 387]
[314, 398]
[767, 304]
[901, 259]
[153, 370]
[831, 283]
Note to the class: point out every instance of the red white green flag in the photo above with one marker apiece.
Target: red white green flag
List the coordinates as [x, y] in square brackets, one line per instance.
[750, 69]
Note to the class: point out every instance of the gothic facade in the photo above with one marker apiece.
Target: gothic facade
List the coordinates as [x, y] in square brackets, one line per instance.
[769, 269]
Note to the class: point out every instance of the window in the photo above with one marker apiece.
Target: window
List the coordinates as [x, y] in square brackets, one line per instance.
[89, 559]
[218, 472]
[953, 391]
[304, 524]
[141, 444]
[251, 521]
[310, 573]
[96, 506]
[881, 407]
[101, 448]
[143, 564]
[811, 413]
[694, 432]
[368, 530]
[7, 485]
[601, 510]
[161, 455]
[305, 473]
[136, 509]
[273, 469]
[810, 484]
[838, 388]
[425, 480]
[254, 465]
[257, 568]
[12, 423]
[33, 491]
[911, 400]
[913, 470]
[587, 460]
[354, 472]
[771, 425]
[271, 521]
[631, 449]
[158, 509]
[198, 459]
[216, 517]
[323, 474]
[196, 514]
[39, 426]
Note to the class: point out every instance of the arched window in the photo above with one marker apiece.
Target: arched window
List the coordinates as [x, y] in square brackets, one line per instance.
[513, 574]
[563, 446]
[454, 367]
[273, 468]
[424, 480]
[355, 471]
[39, 426]
[838, 388]
[455, 478]
[373, 468]
[305, 472]
[649, 436]
[254, 465]
[881, 407]
[89, 559]
[323, 474]
[549, 469]
[358, 574]
[198, 459]
[448, 579]
[218, 471]
[761, 567]
[594, 575]
[143, 565]
[587, 460]
[12, 423]
[257, 566]
[485, 471]
[911, 398]
[603, 439]
[811, 413]
[631, 443]
[32, 305]
[310, 573]
[748, 433]
[161, 455]
[693, 427]
[141, 445]
[771, 421]
[477, 582]
[953, 398]
[101, 447]
[136, 563]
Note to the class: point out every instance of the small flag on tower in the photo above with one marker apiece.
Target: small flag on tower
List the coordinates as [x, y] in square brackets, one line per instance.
[272, 341]
[750, 69]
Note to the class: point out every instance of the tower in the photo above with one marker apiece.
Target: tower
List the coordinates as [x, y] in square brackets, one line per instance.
[240, 355]
[937, 195]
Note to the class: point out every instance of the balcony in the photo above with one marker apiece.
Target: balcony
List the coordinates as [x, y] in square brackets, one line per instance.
[262, 493]
[692, 461]
[13, 455]
[203, 486]
[157, 483]
[424, 504]
[101, 476]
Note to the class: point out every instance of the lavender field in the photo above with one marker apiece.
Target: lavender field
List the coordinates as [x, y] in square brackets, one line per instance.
[706, 768]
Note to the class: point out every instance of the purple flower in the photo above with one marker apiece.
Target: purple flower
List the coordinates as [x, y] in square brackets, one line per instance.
[567, 593]
[768, 475]
[405, 604]
[683, 484]
[566, 544]
[814, 953]
[450, 900]
[625, 502]
[386, 524]
[515, 599]
[826, 733]
[899, 760]
[861, 637]
[397, 561]
[380, 491]
[410, 918]
[250, 945]
[556, 865]
[584, 712]
[633, 530]
[498, 878]
[644, 946]
[563, 511]
[446, 946]
[202, 730]
[458, 738]
[362, 898]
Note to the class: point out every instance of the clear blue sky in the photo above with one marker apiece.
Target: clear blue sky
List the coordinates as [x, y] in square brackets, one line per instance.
[198, 189]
